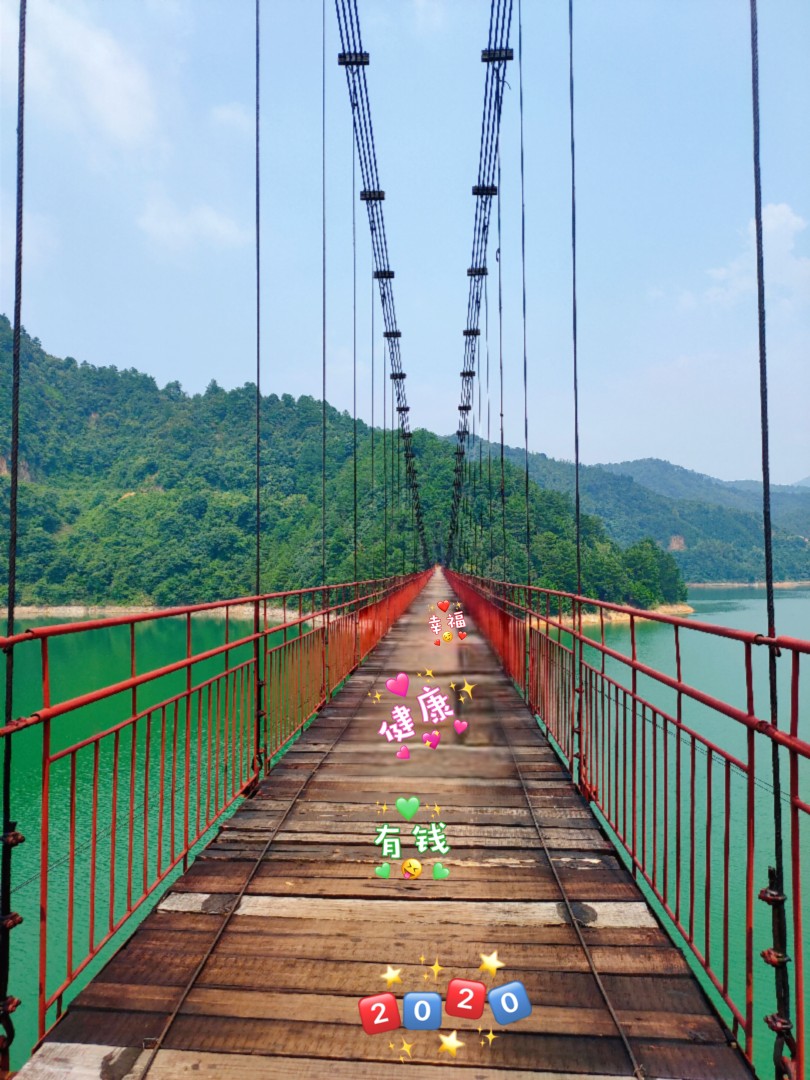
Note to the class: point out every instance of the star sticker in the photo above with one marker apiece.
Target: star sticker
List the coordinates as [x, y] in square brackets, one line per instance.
[391, 1046]
[391, 976]
[437, 809]
[468, 688]
[426, 976]
[406, 1047]
[377, 696]
[450, 1043]
[458, 605]
[436, 968]
[419, 674]
[491, 963]
[429, 674]
[421, 959]
[431, 608]
[491, 1038]
[368, 694]
[452, 686]
[385, 808]
[462, 698]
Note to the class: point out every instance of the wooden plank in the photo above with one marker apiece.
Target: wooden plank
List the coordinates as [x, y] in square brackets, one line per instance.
[317, 928]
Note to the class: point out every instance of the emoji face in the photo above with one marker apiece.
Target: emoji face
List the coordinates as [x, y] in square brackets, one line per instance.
[447, 635]
[411, 868]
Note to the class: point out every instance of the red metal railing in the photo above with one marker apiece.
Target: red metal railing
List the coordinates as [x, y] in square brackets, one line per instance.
[165, 751]
[693, 818]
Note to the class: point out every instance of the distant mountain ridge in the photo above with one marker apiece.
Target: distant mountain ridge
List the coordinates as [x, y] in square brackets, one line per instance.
[135, 494]
[713, 528]
[790, 503]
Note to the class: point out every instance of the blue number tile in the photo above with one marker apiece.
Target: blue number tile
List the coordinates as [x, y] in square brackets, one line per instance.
[422, 1012]
[509, 1002]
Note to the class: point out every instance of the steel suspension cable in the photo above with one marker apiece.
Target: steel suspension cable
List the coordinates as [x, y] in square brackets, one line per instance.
[500, 366]
[385, 474]
[523, 269]
[489, 431]
[373, 492]
[495, 56]
[354, 349]
[577, 511]
[323, 292]
[355, 60]
[9, 826]
[258, 712]
[780, 1023]
[258, 317]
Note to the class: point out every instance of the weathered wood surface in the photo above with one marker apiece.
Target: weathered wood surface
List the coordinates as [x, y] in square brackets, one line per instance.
[316, 928]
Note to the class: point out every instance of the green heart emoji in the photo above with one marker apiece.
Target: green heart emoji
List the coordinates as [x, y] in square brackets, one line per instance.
[384, 870]
[440, 872]
[408, 807]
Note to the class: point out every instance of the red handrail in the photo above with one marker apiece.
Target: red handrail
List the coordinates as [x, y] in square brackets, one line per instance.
[145, 789]
[677, 804]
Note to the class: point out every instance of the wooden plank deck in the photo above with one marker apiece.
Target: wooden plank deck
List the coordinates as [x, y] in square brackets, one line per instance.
[267, 985]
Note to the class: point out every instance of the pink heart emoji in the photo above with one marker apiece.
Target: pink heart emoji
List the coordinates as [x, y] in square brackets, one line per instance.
[443, 605]
[437, 642]
[404, 753]
[460, 726]
[399, 685]
[462, 634]
[432, 739]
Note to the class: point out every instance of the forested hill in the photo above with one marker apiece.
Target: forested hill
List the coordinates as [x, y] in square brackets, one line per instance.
[713, 528]
[135, 494]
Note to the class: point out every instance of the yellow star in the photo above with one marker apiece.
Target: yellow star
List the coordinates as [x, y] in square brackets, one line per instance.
[436, 968]
[431, 608]
[491, 1038]
[377, 696]
[419, 674]
[450, 1043]
[491, 963]
[437, 808]
[462, 698]
[468, 688]
[426, 976]
[453, 685]
[385, 808]
[391, 1046]
[482, 1042]
[421, 959]
[406, 1047]
[428, 673]
[391, 976]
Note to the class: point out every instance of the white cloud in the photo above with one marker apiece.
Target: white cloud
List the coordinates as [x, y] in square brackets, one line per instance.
[234, 116]
[787, 274]
[177, 229]
[81, 75]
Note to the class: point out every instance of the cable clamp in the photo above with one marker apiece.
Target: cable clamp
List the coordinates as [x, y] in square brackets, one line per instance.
[8, 1005]
[8, 922]
[775, 958]
[771, 896]
[780, 1025]
[12, 838]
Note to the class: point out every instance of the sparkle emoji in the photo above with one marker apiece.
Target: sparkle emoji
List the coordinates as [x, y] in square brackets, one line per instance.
[447, 635]
[411, 868]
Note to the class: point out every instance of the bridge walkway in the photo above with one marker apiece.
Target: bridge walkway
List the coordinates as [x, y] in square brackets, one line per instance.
[253, 964]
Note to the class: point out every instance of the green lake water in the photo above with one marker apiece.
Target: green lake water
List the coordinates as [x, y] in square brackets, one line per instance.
[717, 667]
[82, 662]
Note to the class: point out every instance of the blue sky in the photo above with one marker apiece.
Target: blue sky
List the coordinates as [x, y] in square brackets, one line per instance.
[139, 212]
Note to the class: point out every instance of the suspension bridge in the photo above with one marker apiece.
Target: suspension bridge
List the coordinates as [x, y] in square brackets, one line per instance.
[217, 839]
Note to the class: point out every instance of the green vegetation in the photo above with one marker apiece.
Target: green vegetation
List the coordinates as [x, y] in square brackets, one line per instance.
[713, 528]
[132, 494]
